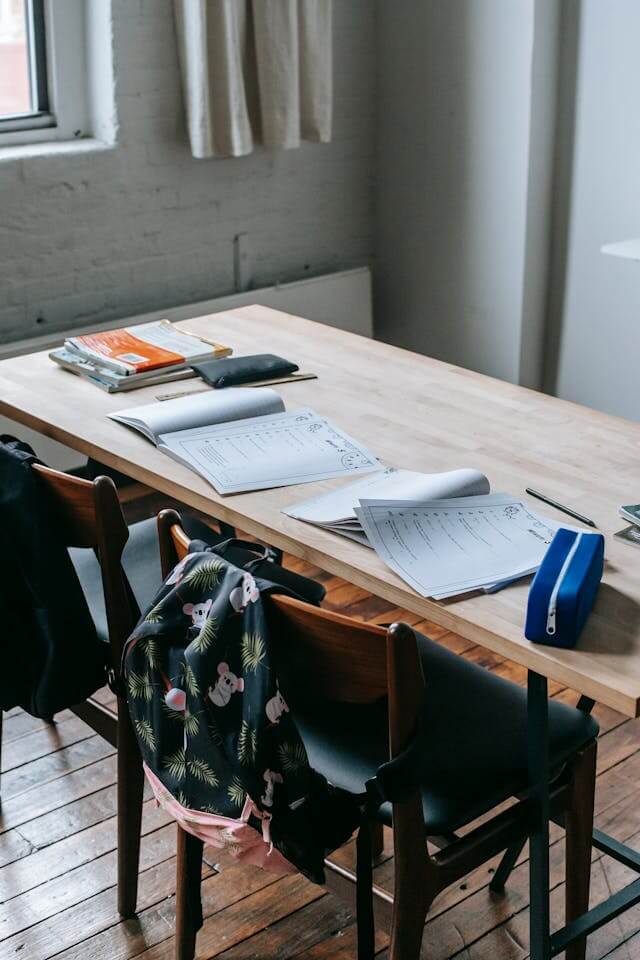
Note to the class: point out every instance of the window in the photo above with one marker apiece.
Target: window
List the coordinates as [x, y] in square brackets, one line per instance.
[24, 95]
[46, 48]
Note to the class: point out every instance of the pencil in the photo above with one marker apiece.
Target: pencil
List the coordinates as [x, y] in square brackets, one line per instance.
[560, 506]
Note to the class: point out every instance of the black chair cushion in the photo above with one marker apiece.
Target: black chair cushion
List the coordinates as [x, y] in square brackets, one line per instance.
[141, 562]
[475, 751]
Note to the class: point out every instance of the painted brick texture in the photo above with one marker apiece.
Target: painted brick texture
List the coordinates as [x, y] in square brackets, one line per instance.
[96, 235]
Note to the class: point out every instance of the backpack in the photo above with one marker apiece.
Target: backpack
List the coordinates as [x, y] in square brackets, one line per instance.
[220, 747]
[56, 656]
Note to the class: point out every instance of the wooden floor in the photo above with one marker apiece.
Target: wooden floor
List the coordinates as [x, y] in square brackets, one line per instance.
[58, 860]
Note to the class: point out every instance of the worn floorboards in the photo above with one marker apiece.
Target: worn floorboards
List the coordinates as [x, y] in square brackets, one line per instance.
[57, 856]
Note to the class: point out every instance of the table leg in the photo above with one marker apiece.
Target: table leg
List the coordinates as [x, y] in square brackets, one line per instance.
[538, 762]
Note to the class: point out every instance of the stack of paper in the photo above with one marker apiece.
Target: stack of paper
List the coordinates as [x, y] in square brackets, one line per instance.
[336, 510]
[447, 547]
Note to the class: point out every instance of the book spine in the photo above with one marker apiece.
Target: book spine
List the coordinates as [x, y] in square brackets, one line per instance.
[103, 382]
[99, 359]
[109, 379]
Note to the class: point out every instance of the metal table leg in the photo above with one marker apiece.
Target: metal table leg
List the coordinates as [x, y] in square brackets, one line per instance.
[543, 945]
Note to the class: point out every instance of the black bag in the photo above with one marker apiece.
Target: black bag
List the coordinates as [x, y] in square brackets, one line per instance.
[55, 657]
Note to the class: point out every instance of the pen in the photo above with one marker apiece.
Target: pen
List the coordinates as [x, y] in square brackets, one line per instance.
[560, 506]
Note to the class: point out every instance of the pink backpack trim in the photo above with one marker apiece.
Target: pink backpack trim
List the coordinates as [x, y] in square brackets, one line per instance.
[243, 842]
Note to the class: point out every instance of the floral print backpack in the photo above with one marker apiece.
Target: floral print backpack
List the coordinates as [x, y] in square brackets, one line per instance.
[219, 744]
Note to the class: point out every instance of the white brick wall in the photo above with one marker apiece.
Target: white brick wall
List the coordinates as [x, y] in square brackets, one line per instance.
[103, 234]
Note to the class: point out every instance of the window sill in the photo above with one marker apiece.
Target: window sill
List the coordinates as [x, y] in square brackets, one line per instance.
[53, 148]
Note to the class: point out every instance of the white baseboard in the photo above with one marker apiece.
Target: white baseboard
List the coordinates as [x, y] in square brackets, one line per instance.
[338, 299]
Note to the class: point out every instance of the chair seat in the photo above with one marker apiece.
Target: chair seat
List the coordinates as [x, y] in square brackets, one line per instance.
[141, 562]
[475, 751]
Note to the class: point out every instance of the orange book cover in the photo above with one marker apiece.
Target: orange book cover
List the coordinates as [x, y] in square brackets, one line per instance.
[123, 347]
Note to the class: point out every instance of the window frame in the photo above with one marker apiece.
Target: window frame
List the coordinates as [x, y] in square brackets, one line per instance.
[58, 76]
[39, 115]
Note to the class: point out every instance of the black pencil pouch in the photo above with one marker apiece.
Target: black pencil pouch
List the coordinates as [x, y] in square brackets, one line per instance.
[232, 371]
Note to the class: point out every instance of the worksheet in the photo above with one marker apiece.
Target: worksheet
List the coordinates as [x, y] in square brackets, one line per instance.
[269, 451]
[448, 547]
[335, 510]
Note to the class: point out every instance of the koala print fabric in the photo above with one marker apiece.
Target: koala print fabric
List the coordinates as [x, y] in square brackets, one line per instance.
[219, 743]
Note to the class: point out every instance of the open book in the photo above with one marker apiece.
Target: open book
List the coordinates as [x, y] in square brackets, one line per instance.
[336, 510]
[242, 439]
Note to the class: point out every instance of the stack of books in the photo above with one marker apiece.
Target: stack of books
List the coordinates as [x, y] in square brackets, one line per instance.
[138, 356]
[630, 534]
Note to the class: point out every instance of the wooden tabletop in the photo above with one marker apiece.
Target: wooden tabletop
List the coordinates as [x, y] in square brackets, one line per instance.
[413, 412]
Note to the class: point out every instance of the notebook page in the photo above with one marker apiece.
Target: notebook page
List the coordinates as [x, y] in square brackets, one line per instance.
[272, 451]
[199, 410]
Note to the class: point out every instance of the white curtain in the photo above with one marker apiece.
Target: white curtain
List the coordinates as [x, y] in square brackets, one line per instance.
[255, 71]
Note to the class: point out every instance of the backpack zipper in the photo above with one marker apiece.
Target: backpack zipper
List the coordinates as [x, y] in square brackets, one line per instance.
[553, 599]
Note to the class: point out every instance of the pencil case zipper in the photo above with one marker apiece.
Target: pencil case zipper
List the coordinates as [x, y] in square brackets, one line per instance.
[553, 599]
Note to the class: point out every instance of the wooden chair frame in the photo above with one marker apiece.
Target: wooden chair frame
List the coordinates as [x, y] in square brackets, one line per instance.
[389, 665]
[89, 515]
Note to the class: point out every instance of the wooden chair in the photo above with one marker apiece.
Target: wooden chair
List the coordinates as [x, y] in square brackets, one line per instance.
[119, 570]
[356, 691]
[90, 519]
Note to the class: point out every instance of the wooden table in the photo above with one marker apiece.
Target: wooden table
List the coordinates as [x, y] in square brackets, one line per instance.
[412, 412]
[421, 414]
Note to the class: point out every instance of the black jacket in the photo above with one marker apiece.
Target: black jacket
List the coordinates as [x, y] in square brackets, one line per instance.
[53, 658]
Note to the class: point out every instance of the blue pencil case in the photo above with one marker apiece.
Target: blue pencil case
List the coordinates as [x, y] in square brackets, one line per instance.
[564, 588]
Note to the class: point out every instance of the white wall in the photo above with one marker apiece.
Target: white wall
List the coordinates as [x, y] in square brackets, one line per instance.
[597, 323]
[453, 178]
[440, 166]
[88, 236]
[508, 153]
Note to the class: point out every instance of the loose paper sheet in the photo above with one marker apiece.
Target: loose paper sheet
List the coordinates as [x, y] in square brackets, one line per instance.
[336, 508]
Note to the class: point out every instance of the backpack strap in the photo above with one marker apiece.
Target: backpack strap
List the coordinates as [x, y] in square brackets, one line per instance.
[261, 551]
[264, 563]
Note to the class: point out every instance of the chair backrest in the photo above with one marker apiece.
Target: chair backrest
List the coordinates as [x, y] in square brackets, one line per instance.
[343, 659]
[88, 514]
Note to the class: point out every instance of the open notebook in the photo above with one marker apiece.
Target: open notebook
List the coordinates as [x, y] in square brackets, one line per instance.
[242, 439]
[336, 510]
